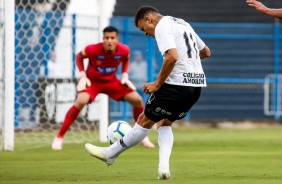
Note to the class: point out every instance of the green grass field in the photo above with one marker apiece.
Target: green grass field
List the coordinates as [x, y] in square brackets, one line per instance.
[200, 156]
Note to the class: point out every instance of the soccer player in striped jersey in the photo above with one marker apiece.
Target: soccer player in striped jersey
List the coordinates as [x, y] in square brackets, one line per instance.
[100, 77]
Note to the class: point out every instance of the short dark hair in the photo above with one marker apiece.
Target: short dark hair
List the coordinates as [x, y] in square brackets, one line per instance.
[110, 29]
[143, 11]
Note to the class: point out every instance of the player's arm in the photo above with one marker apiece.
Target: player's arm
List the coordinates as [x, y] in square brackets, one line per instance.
[124, 78]
[83, 80]
[205, 52]
[263, 9]
[170, 59]
[125, 65]
[277, 13]
[79, 61]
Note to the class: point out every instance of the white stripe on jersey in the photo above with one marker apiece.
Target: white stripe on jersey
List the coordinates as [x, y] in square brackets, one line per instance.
[175, 33]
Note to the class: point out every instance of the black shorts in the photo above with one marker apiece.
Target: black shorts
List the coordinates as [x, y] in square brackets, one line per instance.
[171, 102]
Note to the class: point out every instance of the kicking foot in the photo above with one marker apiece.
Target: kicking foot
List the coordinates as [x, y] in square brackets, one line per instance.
[99, 152]
[164, 174]
[57, 144]
[147, 143]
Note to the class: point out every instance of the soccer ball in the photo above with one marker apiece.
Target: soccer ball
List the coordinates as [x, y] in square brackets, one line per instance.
[117, 130]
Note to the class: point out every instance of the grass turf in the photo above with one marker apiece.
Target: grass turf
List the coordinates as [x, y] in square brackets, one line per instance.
[200, 156]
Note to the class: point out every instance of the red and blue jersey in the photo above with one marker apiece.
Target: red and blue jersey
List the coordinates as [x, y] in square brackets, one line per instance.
[103, 66]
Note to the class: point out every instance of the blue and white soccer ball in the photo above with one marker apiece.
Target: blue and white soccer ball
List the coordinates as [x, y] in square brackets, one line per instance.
[117, 130]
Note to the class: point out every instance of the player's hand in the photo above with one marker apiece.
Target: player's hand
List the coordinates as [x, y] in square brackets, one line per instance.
[149, 88]
[83, 82]
[126, 81]
[257, 5]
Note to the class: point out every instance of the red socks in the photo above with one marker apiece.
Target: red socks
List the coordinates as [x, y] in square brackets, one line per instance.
[69, 119]
[73, 113]
[137, 111]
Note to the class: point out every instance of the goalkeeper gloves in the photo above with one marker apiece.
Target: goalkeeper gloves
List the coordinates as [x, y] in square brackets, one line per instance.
[83, 82]
[126, 81]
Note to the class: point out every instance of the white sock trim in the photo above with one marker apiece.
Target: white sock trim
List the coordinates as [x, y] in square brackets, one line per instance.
[146, 129]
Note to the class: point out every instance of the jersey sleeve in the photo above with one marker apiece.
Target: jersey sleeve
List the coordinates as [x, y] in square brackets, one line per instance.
[125, 63]
[199, 42]
[79, 62]
[88, 51]
[164, 36]
[85, 53]
[82, 53]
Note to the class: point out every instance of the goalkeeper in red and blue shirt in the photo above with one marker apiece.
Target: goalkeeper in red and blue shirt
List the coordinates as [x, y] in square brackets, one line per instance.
[100, 77]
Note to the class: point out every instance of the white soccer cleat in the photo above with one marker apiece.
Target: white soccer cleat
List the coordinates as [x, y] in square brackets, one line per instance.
[147, 143]
[99, 152]
[164, 174]
[57, 144]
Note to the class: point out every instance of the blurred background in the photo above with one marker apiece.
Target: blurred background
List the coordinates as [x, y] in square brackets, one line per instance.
[243, 73]
[232, 135]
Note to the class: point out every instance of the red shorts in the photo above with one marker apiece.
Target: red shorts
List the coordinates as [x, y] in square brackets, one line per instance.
[114, 89]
